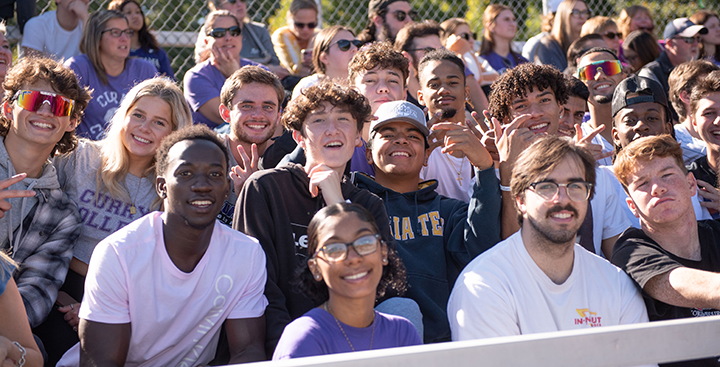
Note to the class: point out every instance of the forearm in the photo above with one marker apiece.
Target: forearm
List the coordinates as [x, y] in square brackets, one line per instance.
[686, 287]
[103, 344]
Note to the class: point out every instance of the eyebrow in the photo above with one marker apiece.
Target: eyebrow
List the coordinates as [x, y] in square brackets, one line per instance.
[251, 101]
[145, 112]
[335, 238]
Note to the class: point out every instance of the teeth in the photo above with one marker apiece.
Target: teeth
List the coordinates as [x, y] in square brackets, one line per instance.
[256, 126]
[356, 276]
[604, 86]
[144, 141]
[403, 154]
[334, 144]
[561, 215]
[538, 126]
[42, 125]
[201, 202]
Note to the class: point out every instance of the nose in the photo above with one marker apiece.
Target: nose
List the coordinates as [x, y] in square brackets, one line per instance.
[657, 188]
[201, 183]
[382, 87]
[45, 109]
[600, 74]
[352, 255]
[641, 126]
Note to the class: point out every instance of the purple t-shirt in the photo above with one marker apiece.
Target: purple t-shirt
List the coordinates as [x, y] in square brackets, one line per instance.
[203, 83]
[317, 333]
[106, 98]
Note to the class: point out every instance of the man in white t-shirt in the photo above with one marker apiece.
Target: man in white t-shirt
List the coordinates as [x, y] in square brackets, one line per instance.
[539, 280]
[158, 291]
[56, 33]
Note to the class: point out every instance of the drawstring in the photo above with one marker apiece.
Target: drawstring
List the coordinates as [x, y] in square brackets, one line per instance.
[416, 221]
[22, 212]
[11, 172]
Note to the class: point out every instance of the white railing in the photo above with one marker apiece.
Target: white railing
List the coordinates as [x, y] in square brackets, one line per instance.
[613, 346]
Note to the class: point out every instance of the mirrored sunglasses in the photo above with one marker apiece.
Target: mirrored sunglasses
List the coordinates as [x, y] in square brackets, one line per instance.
[32, 100]
[608, 67]
[220, 32]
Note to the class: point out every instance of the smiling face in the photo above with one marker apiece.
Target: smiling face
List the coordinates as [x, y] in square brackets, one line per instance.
[356, 276]
[639, 120]
[398, 149]
[41, 127]
[229, 43]
[329, 136]
[112, 47]
[707, 120]
[543, 108]
[146, 124]
[254, 113]
[573, 112]
[380, 86]
[612, 43]
[195, 182]
[603, 86]
[660, 192]
[134, 16]
[555, 221]
[442, 88]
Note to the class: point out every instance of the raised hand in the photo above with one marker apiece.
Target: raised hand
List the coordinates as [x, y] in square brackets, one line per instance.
[225, 61]
[459, 138]
[711, 196]
[326, 179]
[586, 142]
[9, 194]
[249, 166]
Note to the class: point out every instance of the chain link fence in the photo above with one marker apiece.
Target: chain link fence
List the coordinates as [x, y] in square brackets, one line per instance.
[178, 21]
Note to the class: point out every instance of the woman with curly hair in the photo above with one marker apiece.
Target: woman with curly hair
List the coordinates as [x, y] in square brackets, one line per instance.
[143, 44]
[349, 268]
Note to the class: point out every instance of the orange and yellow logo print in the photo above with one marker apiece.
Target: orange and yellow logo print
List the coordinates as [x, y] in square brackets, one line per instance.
[588, 318]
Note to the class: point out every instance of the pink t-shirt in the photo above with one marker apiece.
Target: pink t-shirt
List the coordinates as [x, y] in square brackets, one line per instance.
[175, 316]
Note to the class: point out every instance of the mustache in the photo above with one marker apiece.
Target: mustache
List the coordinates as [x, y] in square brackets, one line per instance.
[559, 208]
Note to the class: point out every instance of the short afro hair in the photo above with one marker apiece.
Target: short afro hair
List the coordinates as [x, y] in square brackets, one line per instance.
[192, 132]
[441, 54]
[326, 91]
[516, 82]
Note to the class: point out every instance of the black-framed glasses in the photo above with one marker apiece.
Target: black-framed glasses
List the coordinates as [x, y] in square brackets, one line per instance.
[336, 252]
[220, 32]
[580, 13]
[467, 36]
[612, 35]
[401, 15]
[689, 40]
[424, 49]
[576, 191]
[117, 32]
[303, 25]
[344, 45]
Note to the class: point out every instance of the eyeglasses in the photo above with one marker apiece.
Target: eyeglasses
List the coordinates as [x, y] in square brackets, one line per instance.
[589, 71]
[689, 40]
[32, 100]
[117, 32]
[612, 35]
[424, 49]
[581, 13]
[336, 252]
[220, 32]
[401, 15]
[467, 36]
[576, 191]
[344, 45]
[303, 25]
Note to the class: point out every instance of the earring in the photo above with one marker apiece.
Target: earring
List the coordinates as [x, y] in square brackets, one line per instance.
[385, 261]
[318, 277]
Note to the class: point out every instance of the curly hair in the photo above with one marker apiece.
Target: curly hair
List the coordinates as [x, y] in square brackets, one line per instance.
[326, 91]
[393, 275]
[192, 132]
[31, 70]
[518, 81]
[378, 55]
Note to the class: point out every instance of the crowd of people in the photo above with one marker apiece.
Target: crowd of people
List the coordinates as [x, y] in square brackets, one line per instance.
[313, 192]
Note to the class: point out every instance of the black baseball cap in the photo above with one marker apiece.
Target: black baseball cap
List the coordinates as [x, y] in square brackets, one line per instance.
[377, 6]
[637, 89]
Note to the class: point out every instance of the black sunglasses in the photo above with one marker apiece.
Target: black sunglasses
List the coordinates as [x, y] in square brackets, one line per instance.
[466, 36]
[344, 45]
[220, 32]
[303, 25]
[612, 35]
[401, 15]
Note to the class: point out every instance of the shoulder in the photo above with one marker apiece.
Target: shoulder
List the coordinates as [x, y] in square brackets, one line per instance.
[305, 336]
[495, 260]
[135, 235]
[399, 327]
[78, 61]
[255, 26]
[241, 244]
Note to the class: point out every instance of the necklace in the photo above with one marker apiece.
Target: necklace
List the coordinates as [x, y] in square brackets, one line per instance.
[326, 306]
[458, 171]
[133, 210]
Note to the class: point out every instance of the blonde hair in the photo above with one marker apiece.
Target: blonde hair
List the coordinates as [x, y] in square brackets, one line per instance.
[489, 15]
[114, 157]
[626, 17]
[597, 25]
[561, 30]
[92, 38]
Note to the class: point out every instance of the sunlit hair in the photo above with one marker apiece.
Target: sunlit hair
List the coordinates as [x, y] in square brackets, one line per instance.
[147, 40]
[323, 42]
[31, 70]
[214, 5]
[378, 55]
[644, 44]
[645, 150]
[683, 78]
[312, 98]
[562, 26]
[579, 47]
[247, 75]
[450, 26]
[598, 24]
[297, 5]
[544, 156]
[114, 157]
[92, 39]
[490, 14]
[393, 274]
[517, 81]
[408, 33]
[707, 84]
[700, 18]
[626, 16]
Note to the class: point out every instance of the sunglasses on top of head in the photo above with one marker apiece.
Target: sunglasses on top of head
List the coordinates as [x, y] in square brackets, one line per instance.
[589, 71]
[220, 32]
[33, 100]
[344, 45]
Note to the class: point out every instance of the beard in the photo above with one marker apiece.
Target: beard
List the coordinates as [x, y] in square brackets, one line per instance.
[243, 136]
[386, 33]
[555, 236]
[448, 113]
[603, 99]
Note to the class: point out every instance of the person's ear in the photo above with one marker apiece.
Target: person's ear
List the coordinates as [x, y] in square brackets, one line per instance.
[368, 156]
[420, 97]
[314, 270]
[224, 113]
[692, 183]
[633, 208]
[615, 136]
[161, 187]
[298, 138]
[7, 111]
[74, 121]
[427, 156]
[323, 57]
[520, 203]
[378, 20]
[384, 253]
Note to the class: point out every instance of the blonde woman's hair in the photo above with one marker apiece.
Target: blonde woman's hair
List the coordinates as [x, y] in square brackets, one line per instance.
[626, 16]
[598, 24]
[92, 36]
[114, 157]
[561, 30]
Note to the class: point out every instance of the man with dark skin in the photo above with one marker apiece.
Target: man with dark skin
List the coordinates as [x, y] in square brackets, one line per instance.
[203, 274]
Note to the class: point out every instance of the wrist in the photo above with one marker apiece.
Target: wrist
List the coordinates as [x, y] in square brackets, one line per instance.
[21, 361]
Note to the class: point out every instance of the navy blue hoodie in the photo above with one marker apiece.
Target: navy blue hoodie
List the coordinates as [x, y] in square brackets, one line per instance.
[445, 236]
